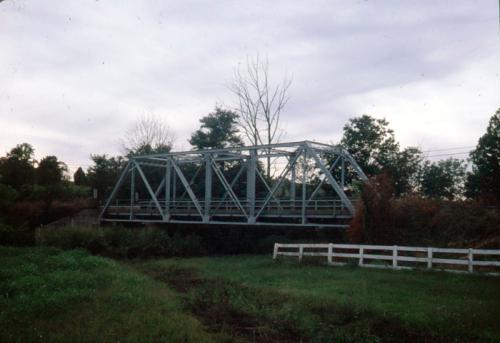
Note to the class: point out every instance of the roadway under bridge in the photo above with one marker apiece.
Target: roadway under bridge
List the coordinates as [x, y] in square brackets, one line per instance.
[295, 184]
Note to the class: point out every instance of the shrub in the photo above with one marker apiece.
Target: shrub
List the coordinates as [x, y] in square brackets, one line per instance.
[121, 242]
[7, 195]
[414, 220]
[16, 236]
[189, 245]
[72, 237]
[373, 220]
[144, 242]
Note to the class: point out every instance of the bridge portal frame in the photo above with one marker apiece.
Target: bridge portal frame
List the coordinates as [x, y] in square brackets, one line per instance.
[301, 157]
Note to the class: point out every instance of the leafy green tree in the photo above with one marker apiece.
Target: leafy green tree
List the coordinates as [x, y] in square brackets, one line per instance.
[405, 169]
[50, 171]
[79, 177]
[484, 180]
[23, 152]
[148, 149]
[104, 173]
[218, 130]
[373, 145]
[443, 179]
[370, 142]
[17, 168]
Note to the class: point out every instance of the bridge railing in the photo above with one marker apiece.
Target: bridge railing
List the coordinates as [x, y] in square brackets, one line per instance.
[397, 257]
[330, 207]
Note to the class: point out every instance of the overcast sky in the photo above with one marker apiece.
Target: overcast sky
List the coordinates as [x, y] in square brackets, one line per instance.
[74, 75]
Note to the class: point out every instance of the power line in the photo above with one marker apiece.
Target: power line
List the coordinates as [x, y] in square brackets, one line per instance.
[457, 148]
[450, 154]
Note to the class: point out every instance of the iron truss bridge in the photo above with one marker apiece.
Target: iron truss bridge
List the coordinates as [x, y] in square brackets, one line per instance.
[285, 184]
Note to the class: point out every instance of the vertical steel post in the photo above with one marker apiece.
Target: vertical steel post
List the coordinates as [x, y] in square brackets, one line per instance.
[132, 192]
[168, 176]
[208, 187]
[251, 171]
[342, 181]
[174, 189]
[292, 187]
[304, 186]
[342, 176]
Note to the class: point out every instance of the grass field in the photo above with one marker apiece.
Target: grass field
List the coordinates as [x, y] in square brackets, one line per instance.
[51, 295]
[47, 295]
[322, 303]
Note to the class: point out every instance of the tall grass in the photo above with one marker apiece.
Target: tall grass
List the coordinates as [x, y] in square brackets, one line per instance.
[47, 295]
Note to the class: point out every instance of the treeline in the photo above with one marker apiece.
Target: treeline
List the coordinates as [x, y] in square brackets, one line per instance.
[34, 193]
[373, 145]
[402, 179]
[413, 201]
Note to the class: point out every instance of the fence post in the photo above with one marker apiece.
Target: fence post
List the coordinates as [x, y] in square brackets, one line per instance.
[429, 258]
[361, 256]
[330, 253]
[275, 252]
[471, 265]
[395, 256]
[301, 252]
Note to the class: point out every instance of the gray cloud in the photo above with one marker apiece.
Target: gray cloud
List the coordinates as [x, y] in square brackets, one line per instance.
[76, 74]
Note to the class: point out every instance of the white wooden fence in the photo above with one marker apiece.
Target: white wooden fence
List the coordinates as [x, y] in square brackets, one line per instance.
[398, 257]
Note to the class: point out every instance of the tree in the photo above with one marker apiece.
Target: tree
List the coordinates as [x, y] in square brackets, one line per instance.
[50, 171]
[373, 145]
[104, 173]
[443, 179]
[218, 130]
[23, 152]
[17, 168]
[484, 180]
[405, 169]
[260, 103]
[79, 177]
[149, 135]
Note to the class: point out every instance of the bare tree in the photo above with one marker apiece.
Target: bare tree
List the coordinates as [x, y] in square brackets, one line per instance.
[149, 134]
[259, 103]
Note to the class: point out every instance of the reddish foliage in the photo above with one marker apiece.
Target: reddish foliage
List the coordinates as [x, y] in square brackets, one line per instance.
[374, 223]
[414, 220]
[355, 232]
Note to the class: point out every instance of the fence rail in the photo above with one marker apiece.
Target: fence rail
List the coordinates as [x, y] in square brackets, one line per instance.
[397, 257]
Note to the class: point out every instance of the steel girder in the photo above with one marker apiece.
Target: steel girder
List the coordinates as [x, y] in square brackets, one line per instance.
[217, 193]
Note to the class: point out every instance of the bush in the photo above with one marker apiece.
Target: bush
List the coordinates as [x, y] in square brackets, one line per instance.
[189, 245]
[20, 236]
[413, 220]
[373, 220]
[69, 237]
[7, 195]
[119, 241]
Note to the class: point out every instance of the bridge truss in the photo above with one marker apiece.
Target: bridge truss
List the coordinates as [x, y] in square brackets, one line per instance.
[311, 184]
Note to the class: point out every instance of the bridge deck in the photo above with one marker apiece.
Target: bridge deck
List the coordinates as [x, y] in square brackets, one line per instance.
[327, 213]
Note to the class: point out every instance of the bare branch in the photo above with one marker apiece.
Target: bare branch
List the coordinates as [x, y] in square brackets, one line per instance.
[149, 133]
[259, 102]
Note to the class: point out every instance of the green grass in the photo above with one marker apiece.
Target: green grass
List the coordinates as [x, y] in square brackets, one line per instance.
[56, 296]
[324, 303]
[53, 296]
